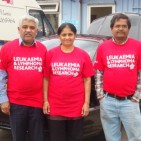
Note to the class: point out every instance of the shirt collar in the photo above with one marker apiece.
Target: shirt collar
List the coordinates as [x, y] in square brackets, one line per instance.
[121, 43]
[21, 42]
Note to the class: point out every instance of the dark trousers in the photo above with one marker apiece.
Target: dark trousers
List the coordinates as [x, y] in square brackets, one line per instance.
[66, 130]
[23, 119]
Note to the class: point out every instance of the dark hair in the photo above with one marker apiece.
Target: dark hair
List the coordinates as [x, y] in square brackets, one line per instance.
[63, 25]
[118, 17]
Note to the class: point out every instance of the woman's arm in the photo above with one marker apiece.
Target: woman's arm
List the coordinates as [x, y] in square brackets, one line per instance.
[46, 107]
[87, 86]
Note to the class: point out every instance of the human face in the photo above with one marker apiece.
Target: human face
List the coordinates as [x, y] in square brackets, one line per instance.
[67, 37]
[120, 29]
[28, 30]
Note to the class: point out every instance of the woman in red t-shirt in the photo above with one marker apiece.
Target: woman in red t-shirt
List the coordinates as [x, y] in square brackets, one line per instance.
[67, 85]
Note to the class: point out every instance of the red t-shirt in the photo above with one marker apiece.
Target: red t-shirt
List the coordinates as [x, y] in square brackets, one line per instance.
[24, 66]
[120, 64]
[66, 85]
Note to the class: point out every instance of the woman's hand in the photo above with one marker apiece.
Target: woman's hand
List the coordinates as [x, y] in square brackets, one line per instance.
[85, 110]
[46, 107]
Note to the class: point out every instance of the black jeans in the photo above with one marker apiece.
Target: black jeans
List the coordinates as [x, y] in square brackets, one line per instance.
[23, 119]
[66, 130]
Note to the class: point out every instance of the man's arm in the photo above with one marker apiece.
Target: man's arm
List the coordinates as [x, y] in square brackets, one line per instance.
[3, 89]
[137, 94]
[5, 105]
[99, 84]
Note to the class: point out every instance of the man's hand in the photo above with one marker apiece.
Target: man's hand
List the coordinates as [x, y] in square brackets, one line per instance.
[5, 107]
[135, 99]
[100, 98]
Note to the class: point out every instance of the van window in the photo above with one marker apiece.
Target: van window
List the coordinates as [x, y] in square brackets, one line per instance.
[53, 18]
[45, 28]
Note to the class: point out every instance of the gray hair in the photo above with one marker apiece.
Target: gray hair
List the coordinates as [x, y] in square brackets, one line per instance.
[28, 18]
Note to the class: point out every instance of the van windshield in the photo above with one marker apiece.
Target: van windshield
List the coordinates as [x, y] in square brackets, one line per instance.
[45, 28]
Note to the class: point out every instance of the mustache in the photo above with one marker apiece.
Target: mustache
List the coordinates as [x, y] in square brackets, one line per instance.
[28, 34]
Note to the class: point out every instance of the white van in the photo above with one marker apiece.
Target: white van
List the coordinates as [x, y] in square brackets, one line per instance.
[11, 10]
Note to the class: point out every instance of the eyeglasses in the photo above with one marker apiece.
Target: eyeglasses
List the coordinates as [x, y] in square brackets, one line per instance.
[121, 26]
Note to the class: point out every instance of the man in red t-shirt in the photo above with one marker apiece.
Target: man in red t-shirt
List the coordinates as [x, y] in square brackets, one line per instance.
[118, 82]
[22, 64]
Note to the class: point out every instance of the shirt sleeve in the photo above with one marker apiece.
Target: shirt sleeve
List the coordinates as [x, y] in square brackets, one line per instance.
[99, 84]
[47, 69]
[99, 64]
[139, 57]
[44, 61]
[3, 75]
[137, 94]
[4, 57]
[3, 89]
[88, 69]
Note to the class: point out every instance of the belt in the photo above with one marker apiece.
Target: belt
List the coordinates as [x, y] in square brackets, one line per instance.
[118, 97]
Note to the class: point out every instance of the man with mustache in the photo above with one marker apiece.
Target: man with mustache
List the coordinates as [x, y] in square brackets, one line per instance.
[118, 82]
[21, 76]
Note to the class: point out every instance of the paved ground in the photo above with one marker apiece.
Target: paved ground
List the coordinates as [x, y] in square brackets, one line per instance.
[101, 137]
[6, 136]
